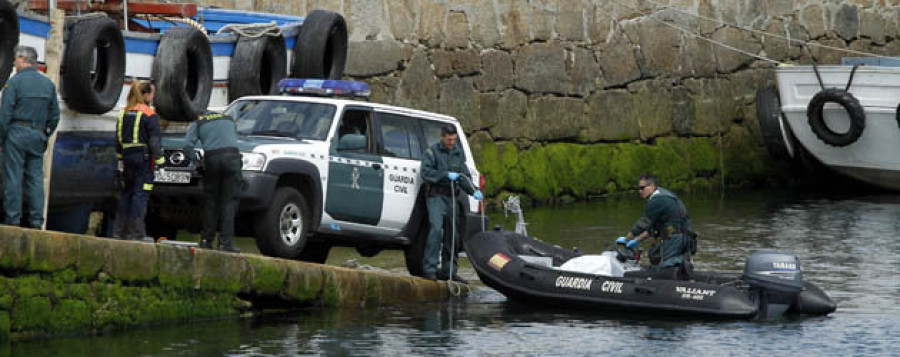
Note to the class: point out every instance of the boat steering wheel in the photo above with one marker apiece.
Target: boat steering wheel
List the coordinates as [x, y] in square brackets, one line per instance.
[626, 253]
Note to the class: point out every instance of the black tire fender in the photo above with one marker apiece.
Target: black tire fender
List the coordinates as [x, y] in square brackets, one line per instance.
[93, 68]
[182, 71]
[320, 49]
[776, 137]
[268, 225]
[256, 66]
[9, 38]
[417, 230]
[846, 100]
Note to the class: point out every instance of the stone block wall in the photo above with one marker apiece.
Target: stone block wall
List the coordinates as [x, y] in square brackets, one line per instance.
[618, 83]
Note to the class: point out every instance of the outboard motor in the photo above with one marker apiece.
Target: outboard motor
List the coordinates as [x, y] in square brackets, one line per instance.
[776, 279]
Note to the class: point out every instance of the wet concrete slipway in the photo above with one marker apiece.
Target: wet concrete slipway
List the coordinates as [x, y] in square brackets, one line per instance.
[56, 283]
[847, 245]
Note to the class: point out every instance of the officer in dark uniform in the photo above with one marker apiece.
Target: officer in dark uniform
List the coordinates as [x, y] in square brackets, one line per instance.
[138, 147]
[666, 219]
[28, 116]
[444, 162]
[222, 177]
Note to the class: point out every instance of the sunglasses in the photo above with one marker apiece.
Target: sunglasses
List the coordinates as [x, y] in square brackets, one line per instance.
[641, 188]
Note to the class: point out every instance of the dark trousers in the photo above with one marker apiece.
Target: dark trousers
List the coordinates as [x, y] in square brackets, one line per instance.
[221, 189]
[23, 155]
[441, 237]
[138, 182]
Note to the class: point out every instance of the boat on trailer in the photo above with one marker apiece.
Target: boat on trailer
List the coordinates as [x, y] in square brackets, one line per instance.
[198, 57]
[528, 270]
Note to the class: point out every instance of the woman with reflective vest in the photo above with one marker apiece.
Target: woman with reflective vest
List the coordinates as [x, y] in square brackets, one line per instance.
[138, 149]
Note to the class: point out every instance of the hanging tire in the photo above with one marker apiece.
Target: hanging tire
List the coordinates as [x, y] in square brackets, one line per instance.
[182, 71]
[9, 38]
[93, 67]
[776, 136]
[414, 254]
[256, 66]
[282, 229]
[320, 49]
[854, 110]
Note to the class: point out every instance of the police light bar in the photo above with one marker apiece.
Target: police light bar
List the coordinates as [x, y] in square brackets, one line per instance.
[324, 87]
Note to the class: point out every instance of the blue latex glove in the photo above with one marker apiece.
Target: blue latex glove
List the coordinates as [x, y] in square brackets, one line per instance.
[453, 176]
[632, 244]
[622, 240]
[478, 195]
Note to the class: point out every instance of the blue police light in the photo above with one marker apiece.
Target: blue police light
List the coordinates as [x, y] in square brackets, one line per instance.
[324, 88]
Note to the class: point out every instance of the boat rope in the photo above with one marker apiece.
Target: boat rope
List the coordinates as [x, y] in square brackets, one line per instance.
[818, 76]
[172, 19]
[702, 37]
[759, 32]
[822, 84]
[453, 287]
[252, 30]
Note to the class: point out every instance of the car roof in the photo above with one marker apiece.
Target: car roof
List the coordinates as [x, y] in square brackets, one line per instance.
[347, 102]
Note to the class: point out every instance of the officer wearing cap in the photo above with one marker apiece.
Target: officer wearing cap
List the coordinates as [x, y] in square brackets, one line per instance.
[138, 147]
[28, 116]
[444, 163]
[217, 134]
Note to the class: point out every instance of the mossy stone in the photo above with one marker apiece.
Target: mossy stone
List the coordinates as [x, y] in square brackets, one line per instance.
[51, 251]
[133, 262]
[218, 271]
[268, 275]
[92, 256]
[304, 283]
[14, 252]
[176, 266]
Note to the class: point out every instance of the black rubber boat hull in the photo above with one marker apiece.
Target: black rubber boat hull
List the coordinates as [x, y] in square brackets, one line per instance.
[495, 255]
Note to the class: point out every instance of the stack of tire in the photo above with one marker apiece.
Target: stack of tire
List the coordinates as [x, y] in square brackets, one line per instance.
[93, 69]
[9, 37]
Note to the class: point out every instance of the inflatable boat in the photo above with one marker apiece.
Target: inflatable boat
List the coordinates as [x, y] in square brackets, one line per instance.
[531, 271]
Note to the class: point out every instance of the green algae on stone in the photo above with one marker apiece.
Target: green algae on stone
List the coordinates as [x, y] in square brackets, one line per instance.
[268, 275]
[176, 266]
[133, 262]
[14, 251]
[218, 271]
[51, 251]
[93, 253]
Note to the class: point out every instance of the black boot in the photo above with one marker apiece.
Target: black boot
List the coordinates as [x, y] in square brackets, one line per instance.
[227, 245]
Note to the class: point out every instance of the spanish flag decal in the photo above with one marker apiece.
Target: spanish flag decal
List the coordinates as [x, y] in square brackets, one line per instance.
[498, 261]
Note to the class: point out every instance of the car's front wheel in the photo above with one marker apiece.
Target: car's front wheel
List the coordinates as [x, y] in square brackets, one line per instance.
[282, 229]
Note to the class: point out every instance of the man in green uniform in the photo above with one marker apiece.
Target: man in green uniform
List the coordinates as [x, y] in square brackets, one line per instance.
[444, 163]
[665, 219]
[222, 176]
[28, 116]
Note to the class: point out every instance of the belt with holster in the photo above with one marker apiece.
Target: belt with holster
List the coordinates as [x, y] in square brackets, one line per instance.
[26, 123]
[214, 152]
[434, 190]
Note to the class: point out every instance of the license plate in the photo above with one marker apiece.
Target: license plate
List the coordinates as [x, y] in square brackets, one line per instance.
[171, 176]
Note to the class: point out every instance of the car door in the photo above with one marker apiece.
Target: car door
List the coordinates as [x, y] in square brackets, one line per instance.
[402, 156]
[355, 175]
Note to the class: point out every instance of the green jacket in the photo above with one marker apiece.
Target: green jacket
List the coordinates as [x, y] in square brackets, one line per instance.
[29, 95]
[439, 161]
[213, 131]
[663, 210]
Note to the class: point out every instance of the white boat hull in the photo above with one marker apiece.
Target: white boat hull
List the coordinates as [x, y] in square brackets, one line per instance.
[873, 158]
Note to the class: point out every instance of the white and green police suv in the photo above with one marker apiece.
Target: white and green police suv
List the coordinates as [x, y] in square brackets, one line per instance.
[321, 171]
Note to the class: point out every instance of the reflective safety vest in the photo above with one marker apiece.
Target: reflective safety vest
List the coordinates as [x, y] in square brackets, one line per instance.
[128, 128]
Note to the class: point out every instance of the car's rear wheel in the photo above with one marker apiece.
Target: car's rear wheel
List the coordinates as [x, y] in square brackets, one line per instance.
[282, 229]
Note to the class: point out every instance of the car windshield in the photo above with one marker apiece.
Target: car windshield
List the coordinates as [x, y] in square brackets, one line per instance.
[299, 120]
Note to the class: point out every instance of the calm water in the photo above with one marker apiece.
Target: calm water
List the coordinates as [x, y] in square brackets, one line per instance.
[848, 245]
